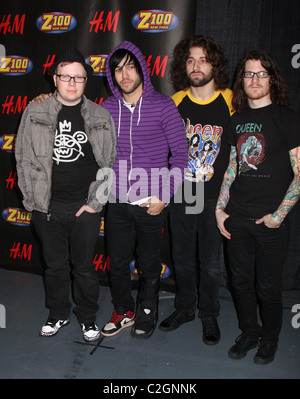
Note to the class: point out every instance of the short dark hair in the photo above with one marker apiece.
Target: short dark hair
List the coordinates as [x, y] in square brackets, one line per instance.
[118, 56]
[278, 87]
[214, 55]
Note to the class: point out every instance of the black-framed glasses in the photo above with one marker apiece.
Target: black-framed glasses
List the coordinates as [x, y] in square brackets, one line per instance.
[250, 75]
[67, 78]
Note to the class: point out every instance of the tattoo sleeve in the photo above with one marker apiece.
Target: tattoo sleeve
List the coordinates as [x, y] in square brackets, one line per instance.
[228, 179]
[293, 193]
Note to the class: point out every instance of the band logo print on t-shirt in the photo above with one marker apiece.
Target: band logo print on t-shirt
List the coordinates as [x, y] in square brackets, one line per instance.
[204, 145]
[251, 151]
[68, 145]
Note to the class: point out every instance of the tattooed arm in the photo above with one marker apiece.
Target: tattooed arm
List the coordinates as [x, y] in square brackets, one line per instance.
[223, 199]
[291, 197]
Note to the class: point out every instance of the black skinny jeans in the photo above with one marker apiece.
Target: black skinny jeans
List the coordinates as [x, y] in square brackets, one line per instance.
[125, 224]
[256, 256]
[63, 232]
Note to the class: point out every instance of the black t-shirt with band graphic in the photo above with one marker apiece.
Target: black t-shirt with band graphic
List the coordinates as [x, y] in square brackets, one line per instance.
[74, 164]
[263, 138]
[206, 125]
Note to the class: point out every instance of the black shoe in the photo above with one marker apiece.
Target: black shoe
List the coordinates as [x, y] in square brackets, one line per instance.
[211, 332]
[242, 346]
[175, 320]
[266, 353]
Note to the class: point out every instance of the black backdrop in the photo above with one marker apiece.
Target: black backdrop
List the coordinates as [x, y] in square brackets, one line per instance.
[32, 32]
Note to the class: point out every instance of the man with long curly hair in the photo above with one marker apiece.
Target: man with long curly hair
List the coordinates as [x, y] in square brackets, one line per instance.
[199, 73]
[254, 203]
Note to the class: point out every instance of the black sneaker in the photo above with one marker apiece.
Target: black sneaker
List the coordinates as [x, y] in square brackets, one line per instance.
[242, 346]
[266, 353]
[90, 331]
[52, 326]
[211, 332]
[145, 322]
[175, 320]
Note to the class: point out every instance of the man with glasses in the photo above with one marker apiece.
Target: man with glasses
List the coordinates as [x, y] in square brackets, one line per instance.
[148, 168]
[64, 150]
[255, 200]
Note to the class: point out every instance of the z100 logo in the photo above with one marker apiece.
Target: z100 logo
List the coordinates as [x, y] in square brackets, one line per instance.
[8, 142]
[97, 62]
[154, 21]
[164, 273]
[17, 217]
[102, 227]
[15, 65]
[56, 22]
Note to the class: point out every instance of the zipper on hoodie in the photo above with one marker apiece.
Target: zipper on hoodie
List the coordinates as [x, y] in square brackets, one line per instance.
[131, 151]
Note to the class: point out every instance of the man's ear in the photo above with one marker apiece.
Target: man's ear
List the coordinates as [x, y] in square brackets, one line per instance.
[54, 80]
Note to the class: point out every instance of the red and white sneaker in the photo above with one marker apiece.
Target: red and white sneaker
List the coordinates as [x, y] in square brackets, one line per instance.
[117, 323]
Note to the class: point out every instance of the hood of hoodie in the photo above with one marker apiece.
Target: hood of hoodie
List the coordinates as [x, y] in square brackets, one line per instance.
[147, 87]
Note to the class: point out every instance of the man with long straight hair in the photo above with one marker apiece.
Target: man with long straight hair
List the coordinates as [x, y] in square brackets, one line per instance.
[259, 189]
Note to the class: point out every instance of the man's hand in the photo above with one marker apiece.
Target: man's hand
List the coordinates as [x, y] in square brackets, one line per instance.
[41, 97]
[155, 206]
[221, 216]
[85, 208]
[269, 221]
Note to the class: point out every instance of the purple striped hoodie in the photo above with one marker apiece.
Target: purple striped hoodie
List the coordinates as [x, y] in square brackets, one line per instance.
[151, 142]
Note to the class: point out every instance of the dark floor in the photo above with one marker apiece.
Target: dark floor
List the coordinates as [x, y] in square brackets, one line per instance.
[177, 355]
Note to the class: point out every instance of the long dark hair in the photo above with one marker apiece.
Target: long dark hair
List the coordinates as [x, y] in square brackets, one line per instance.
[278, 87]
[213, 53]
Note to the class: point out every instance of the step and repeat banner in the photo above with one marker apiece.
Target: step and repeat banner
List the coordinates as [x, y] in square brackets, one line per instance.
[31, 34]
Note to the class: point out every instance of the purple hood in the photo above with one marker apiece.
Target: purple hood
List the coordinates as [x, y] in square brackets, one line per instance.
[146, 136]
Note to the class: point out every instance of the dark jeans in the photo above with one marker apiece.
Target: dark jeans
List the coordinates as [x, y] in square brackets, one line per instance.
[191, 235]
[64, 232]
[125, 224]
[256, 256]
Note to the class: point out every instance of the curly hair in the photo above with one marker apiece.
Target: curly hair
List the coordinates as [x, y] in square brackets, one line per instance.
[278, 87]
[213, 53]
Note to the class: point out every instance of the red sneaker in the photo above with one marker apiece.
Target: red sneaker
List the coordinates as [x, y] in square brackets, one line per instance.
[117, 323]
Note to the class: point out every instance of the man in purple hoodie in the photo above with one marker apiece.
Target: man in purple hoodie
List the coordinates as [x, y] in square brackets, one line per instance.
[148, 169]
